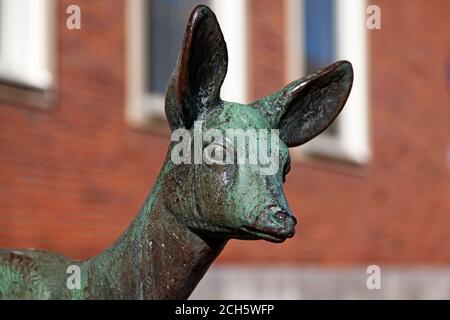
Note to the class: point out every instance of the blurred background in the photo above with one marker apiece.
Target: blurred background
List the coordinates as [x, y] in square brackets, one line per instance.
[83, 136]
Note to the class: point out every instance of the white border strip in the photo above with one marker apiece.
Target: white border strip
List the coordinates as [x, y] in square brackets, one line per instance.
[252, 282]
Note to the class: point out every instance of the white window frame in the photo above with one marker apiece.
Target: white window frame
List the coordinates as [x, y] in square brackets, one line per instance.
[27, 34]
[351, 143]
[141, 107]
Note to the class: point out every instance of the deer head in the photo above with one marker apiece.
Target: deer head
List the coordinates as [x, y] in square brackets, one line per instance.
[235, 200]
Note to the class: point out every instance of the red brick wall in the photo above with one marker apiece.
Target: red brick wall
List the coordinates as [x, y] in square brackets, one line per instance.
[266, 33]
[72, 178]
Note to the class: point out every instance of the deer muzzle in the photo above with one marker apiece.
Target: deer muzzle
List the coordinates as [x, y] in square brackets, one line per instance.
[274, 224]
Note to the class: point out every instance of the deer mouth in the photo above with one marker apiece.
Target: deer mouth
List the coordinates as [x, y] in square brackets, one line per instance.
[276, 237]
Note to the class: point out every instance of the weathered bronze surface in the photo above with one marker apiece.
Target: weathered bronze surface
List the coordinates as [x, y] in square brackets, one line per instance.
[193, 209]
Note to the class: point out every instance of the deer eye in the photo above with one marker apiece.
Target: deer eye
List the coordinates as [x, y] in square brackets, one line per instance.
[218, 152]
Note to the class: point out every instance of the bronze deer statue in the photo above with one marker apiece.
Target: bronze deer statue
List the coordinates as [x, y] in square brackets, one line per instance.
[194, 209]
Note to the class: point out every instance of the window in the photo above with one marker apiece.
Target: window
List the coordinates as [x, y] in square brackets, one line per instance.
[165, 28]
[26, 45]
[154, 36]
[321, 32]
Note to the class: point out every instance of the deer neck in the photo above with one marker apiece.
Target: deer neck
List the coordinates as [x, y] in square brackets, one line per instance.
[157, 257]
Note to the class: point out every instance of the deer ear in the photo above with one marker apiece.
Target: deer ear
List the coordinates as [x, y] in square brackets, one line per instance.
[201, 68]
[306, 107]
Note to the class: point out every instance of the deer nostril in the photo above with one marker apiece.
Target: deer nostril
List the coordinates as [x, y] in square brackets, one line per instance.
[281, 215]
[284, 215]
